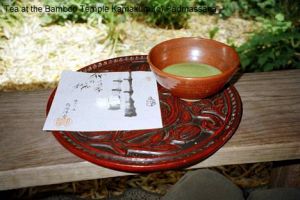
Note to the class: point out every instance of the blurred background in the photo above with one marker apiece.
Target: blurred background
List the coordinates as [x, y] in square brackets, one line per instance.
[36, 46]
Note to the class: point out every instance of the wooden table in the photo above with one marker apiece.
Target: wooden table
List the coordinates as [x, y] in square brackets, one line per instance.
[269, 131]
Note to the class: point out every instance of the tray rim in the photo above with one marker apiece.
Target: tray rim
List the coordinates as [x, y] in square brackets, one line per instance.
[156, 166]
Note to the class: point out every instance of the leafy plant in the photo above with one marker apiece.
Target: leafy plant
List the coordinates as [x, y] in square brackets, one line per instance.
[277, 25]
[163, 13]
[276, 46]
[212, 33]
[243, 8]
[254, 8]
[229, 8]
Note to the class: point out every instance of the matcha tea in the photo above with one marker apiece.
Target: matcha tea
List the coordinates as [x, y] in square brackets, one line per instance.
[192, 70]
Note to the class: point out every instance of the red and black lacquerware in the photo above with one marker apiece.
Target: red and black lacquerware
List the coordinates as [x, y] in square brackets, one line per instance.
[192, 130]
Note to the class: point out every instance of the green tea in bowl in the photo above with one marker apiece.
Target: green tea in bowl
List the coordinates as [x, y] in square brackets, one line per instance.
[186, 83]
[192, 70]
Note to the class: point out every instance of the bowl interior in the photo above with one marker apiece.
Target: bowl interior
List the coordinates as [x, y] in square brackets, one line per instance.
[196, 50]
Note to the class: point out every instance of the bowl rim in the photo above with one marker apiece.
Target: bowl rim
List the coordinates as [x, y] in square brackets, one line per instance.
[226, 73]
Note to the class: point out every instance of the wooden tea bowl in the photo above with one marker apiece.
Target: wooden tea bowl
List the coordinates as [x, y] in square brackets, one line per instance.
[196, 50]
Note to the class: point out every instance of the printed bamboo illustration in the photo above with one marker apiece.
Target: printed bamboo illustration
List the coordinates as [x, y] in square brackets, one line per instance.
[130, 110]
[115, 100]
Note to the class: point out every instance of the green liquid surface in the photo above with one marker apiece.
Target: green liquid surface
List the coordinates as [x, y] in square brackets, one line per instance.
[192, 70]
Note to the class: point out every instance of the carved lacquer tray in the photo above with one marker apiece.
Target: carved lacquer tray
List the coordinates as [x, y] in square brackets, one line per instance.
[192, 130]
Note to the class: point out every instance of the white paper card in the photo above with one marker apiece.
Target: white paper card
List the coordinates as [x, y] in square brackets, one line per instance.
[105, 102]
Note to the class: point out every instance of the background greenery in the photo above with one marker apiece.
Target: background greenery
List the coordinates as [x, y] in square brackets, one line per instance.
[276, 45]
[9, 19]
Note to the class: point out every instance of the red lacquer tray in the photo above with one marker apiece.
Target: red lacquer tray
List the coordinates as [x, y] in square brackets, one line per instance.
[192, 130]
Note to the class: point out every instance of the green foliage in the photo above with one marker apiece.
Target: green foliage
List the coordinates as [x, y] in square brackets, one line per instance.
[77, 15]
[276, 25]
[162, 13]
[291, 10]
[229, 8]
[212, 33]
[208, 3]
[112, 19]
[276, 46]
[231, 42]
[243, 8]
[9, 19]
[254, 8]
